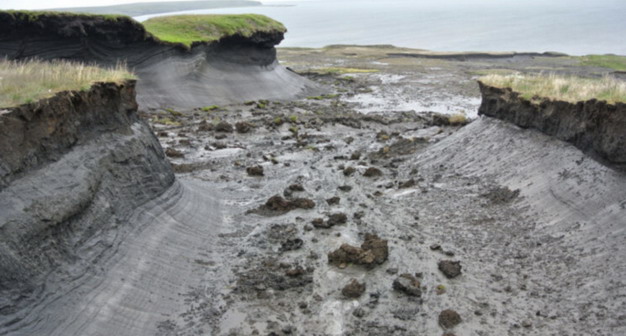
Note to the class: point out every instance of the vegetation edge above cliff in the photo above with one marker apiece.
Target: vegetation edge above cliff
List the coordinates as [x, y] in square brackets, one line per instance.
[558, 87]
[23, 82]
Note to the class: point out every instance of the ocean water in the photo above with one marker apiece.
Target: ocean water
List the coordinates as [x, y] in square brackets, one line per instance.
[575, 27]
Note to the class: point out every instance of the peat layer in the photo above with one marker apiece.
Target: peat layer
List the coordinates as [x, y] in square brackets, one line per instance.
[233, 69]
[595, 127]
[72, 167]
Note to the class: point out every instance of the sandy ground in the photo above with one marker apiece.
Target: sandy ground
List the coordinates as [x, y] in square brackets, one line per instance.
[536, 227]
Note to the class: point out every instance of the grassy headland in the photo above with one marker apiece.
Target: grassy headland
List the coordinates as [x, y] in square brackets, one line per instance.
[24, 82]
[187, 29]
[566, 88]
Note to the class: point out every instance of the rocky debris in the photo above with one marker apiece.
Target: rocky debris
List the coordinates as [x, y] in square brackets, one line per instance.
[406, 313]
[291, 245]
[333, 200]
[219, 145]
[451, 269]
[407, 184]
[345, 188]
[449, 319]
[372, 172]
[401, 147]
[243, 127]
[277, 205]
[163, 134]
[271, 274]
[334, 219]
[224, 127]
[174, 153]
[382, 136]
[407, 284]
[337, 219]
[348, 171]
[353, 289]
[255, 171]
[320, 223]
[435, 247]
[374, 251]
[204, 126]
[501, 195]
[355, 156]
[220, 136]
[296, 187]
[359, 312]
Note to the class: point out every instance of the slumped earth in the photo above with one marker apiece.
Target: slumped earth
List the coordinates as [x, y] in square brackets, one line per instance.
[480, 229]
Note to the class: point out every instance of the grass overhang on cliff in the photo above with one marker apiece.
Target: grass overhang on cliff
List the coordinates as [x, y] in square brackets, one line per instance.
[187, 29]
[571, 89]
[23, 82]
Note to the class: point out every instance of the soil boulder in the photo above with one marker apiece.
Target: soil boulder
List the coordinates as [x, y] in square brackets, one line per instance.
[407, 284]
[451, 269]
[449, 319]
[353, 289]
[374, 251]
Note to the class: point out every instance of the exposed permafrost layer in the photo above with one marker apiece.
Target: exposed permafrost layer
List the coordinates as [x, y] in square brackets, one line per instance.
[595, 127]
[233, 69]
[73, 168]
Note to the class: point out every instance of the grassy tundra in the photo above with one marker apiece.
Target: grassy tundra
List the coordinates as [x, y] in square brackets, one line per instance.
[566, 88]
[24, 82]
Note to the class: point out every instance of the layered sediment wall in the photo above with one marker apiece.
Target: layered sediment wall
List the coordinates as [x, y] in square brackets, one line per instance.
[232, 69]
[72, 167]
[595, 127]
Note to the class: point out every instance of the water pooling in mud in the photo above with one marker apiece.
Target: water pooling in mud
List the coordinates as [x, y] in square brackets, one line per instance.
[398, 93]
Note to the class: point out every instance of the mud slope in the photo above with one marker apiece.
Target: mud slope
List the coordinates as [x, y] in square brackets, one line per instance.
[234, 69]
[72, 168]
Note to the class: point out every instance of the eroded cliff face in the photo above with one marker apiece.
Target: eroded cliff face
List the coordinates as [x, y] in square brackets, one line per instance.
[233, 69]
[595, 127]
[72, 167]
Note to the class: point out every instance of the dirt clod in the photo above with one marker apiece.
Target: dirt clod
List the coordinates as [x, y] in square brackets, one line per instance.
[451, 269]
[255, 171]
[224, 127]
[449, 319]
[374, 251]
[407, 284]
[337, 219]
[174, 153]
[333, 200]
[348, 171]
[372, 172]
[243, 127]
[353, 289]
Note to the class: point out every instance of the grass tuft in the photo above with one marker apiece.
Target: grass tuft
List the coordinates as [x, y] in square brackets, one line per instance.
[23, 82]
[187, 29]
[566, 88]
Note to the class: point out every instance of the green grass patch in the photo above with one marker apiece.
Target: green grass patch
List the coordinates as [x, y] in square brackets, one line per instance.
[322, 97]
[340, 71]
[166, 122]
[187, 29]
[24, 82]
[566, 88]
[614, 62]
[210, 108]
